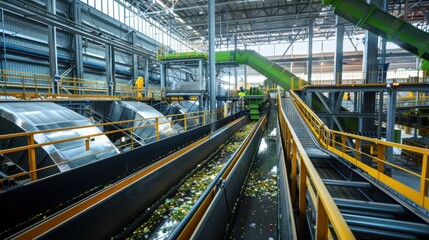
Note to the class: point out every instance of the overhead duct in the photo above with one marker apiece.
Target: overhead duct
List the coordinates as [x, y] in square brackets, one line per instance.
[16, 117]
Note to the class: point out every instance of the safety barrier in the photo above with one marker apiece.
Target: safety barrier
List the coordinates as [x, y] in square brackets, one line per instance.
[304, 177]
[352, 77]
[32, 85]
[370, 155]
[198, 118]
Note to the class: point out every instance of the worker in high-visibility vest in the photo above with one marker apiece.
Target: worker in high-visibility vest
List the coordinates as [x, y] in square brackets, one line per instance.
[139, 85]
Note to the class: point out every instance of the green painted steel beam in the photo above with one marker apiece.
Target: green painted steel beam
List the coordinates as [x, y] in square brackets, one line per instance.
[259, 63]
[369, 17]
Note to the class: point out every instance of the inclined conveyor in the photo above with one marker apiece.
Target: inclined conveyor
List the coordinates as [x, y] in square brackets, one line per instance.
[370, 212]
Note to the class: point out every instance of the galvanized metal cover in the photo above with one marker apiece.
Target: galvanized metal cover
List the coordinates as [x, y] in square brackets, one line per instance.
[32, 116]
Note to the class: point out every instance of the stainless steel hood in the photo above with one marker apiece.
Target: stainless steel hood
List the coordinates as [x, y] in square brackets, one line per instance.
[34, 116]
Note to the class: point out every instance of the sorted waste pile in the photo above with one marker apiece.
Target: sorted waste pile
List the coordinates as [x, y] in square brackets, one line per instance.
[168, 215]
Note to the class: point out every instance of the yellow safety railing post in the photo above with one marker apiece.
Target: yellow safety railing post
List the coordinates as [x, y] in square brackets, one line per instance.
[333, 140]
[87, 147]
[381, 149]
[204, 118]
[293, 173]
[157, 128]
[357, 149]
[321, 221]
[423, 179]
[32, 162]
[343, 143]
[132, 139]
[185, 124]
[302, 205]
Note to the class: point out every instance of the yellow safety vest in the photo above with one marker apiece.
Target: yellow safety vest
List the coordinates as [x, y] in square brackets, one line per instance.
[139, 82]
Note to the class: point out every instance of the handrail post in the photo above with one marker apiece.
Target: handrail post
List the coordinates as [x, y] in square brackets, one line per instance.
[343, 143]
[302, 199]
[321, 221]
[423, 181]
[204, 118]
[293, 173]
[185, 125]
[381, 149]
[132, 139]
[357, 149]
[157, 128]
[32, 158]
[87, 144]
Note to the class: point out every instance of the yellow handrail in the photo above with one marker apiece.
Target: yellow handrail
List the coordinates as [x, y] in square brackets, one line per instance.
[327, 211]
[32, 85]
[335, 142]
[31, 145]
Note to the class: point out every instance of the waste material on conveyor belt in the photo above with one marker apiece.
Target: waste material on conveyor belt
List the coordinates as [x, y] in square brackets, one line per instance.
[168, 215]
[257, 214]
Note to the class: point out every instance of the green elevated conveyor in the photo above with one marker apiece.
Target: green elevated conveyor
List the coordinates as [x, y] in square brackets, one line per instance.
[369, 17]
[259, 63]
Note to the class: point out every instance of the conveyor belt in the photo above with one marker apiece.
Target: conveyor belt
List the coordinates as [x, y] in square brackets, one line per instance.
[257, 214]
[369, 211]
[301, 130]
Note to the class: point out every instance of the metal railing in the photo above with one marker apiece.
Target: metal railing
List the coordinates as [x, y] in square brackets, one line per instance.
[304, 177]
[354, 77]
[33, 85]
[370, 155]
[200, 118]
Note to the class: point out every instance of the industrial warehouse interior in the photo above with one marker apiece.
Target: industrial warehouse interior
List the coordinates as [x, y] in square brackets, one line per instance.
[214, 119]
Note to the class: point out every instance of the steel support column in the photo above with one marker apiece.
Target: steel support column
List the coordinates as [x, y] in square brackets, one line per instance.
[338, 65]
[146, 76]
[370, 70]
[310, 50]
[135, 58]
[162, 73]
[383, 41]
[235, 68]
[245, 72]
[110, 70]
[201, 83]
[380, 114]
[211, 11]
[78, 56]
[390, 123]
[382, 80]
[52, 41]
